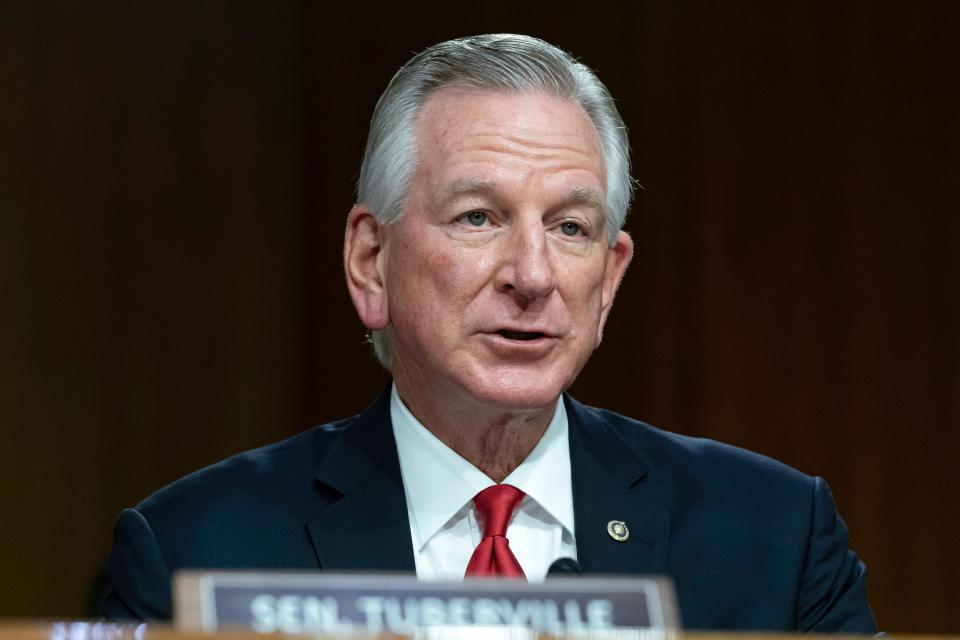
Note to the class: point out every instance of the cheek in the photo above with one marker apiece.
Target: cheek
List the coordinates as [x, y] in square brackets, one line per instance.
[584, 281]
[429, 284]
[585, 296]
[442, 273]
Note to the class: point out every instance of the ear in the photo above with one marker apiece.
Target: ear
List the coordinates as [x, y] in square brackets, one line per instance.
[363, 253]
[618, 258]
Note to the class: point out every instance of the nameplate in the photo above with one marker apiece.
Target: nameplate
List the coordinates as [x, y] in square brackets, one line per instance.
[285, 602]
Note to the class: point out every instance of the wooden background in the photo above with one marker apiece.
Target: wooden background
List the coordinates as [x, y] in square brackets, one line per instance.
[175, 176]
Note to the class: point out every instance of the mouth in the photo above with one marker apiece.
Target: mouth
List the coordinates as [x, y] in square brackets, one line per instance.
[524, 336]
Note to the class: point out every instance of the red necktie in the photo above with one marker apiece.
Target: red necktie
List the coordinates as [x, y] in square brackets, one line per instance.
[493, 557]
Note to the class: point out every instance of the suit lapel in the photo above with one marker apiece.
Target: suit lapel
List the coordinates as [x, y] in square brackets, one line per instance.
[366, 526]
[608, 480]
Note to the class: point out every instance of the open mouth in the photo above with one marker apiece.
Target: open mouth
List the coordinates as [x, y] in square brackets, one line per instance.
[521, 335]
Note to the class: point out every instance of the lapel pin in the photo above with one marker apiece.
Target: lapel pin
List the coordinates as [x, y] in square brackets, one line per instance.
[618, 530]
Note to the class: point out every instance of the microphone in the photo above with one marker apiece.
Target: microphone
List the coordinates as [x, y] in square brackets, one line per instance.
[564, 567]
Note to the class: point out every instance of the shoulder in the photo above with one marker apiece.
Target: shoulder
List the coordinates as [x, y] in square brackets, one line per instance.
[247, 511]
[264, 472]
[700, 464]
[242, 500]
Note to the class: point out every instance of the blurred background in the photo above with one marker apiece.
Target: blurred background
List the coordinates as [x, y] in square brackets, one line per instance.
[174, 181]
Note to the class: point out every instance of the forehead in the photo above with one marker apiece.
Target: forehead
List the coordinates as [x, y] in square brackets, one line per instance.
[476, 124]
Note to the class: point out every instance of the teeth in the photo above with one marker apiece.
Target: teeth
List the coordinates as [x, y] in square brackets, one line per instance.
[520, 335]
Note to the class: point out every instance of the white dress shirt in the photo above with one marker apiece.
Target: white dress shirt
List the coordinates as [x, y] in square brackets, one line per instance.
[440, 486]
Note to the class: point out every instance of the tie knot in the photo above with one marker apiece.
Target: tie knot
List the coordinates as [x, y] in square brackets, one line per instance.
[495, 505]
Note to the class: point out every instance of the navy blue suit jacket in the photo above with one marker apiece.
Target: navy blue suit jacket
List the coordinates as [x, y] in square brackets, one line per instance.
[750, 543]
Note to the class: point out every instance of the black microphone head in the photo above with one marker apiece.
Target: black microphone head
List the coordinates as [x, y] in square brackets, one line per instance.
[564, 566]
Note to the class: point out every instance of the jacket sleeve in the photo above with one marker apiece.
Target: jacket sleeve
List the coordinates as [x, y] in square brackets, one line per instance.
[137, 580]
[833, 589]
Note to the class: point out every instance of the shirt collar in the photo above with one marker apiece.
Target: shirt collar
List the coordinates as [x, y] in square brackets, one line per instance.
[439, 482]
[545, 473]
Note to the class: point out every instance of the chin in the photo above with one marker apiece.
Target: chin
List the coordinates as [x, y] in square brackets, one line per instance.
[515, 390]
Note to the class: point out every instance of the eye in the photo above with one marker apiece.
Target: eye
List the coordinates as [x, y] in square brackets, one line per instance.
[476, 218]
[571, 229]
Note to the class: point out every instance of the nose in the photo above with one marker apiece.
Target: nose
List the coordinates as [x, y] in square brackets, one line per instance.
[526, 270]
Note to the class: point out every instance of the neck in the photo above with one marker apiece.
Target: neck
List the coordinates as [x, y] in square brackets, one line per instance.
[493, 439]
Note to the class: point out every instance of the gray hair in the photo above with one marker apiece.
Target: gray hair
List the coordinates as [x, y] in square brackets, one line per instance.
[503, 62]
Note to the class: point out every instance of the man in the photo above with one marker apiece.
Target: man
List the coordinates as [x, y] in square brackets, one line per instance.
[484, 254]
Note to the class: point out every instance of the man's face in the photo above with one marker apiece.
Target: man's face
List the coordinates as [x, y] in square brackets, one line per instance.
[498, 275]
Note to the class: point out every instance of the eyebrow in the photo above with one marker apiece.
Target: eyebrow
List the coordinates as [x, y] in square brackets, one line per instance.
[589, 197]
[586, 196]
[470, 186]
